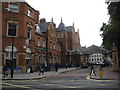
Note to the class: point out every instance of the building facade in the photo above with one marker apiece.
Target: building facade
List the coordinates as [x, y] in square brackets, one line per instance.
[53, 47]
[28, 42]
[70, 41]
[96, 58]
[93, 54]
[18, 26]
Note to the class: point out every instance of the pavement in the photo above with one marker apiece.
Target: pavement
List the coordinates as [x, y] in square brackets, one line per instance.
[35, 75]
[108, 74]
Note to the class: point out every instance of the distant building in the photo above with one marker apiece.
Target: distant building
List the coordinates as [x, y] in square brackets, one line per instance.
[96, 58]
[93, 54]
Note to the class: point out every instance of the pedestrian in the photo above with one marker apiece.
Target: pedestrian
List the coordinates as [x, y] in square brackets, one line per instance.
[66, 65]
[5, 73]
[41, 69]
[92, 71]
[56, 67]
[31, 70]
[101, 71]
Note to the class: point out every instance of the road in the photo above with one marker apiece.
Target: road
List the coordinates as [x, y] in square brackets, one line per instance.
[73, 79]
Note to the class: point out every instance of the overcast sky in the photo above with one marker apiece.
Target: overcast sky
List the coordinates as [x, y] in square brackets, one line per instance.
[87, 15]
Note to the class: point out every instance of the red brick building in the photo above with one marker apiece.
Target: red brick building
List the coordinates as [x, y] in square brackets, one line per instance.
[35, 42]
[62, 38]
[20, 18]
[53, 47]
[70, 42]
[40, 47]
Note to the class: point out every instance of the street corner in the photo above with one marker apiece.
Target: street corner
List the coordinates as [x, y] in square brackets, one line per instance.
[99, 78]
[94, 78]
[87, 77]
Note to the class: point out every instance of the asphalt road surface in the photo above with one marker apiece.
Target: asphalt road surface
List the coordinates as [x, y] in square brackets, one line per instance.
[70, 80]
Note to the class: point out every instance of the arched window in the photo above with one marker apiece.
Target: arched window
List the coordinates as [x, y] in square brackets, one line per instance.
[8, 57]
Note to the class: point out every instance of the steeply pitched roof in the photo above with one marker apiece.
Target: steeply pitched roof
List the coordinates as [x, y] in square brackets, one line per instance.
[44, 26]
[61, 26]
[69, 28]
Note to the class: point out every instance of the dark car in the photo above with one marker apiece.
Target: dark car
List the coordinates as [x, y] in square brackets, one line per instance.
[84, 65]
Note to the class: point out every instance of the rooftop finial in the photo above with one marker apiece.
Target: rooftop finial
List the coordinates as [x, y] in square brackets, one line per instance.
[61, 19]
[51, 19]
[78, 30]
[73, 23]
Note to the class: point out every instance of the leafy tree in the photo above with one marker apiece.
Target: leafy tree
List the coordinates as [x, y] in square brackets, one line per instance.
[111, 31]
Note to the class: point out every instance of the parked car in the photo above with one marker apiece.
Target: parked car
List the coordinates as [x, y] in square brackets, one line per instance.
[84, 65]
[101, 64]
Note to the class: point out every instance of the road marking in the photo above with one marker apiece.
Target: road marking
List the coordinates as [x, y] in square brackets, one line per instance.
[88, 78]
[16, 85]
[71, 87]
[58, 81]
[49, 84]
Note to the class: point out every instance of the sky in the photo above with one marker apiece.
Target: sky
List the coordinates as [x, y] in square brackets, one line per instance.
[87, 15]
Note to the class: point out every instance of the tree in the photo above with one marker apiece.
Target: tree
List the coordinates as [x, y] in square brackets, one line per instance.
[111, 31]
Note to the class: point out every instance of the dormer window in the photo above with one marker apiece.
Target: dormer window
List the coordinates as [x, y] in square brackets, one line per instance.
[37, 29]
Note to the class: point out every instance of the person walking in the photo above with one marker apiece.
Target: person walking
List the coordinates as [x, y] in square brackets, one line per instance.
[56, 67]
[92, 71]
[66, 65]
[5, 70]
[41, 70]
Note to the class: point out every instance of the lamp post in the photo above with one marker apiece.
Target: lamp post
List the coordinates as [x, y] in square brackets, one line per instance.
[70, 53]
[13, 32]
[47, 50]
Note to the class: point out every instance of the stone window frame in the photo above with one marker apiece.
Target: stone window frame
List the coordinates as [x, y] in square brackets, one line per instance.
[12, 22]
[29, 26]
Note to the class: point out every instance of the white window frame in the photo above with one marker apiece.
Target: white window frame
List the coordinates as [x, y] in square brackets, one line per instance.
[14, 7]
[29, 29]
[9, 55]
[28, 56]
[38, 42]
[37, 29]
[43, 44]
[29, 13]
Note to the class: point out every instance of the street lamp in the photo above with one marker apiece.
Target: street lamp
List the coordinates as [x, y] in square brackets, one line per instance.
[13, 32]
[47, 50]
[70, 53]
